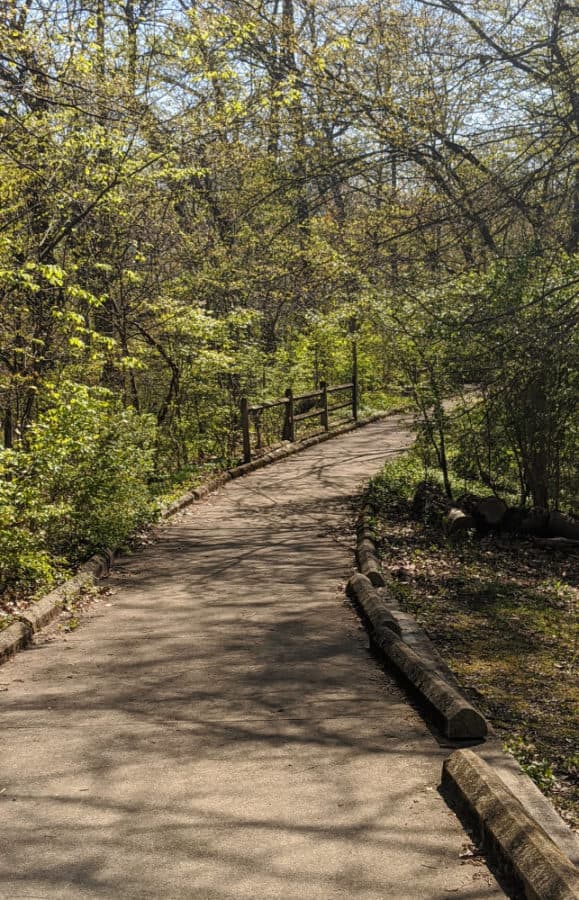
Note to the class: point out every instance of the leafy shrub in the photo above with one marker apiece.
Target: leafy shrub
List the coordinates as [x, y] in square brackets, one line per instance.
[396, 483]
[80, 485]
[91, 460]
[24, 563]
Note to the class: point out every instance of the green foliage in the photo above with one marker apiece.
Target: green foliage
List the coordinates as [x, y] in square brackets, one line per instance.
[91, 459]
[81, 485]
[539, 770]
[196, 205]
[25, 564]
[394, 486]
[521, 431]
[508, 333]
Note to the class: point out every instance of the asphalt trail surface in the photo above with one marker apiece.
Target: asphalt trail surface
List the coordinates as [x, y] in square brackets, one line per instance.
[217, 728]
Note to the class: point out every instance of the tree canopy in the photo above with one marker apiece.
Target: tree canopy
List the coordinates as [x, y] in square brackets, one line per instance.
[197, 201]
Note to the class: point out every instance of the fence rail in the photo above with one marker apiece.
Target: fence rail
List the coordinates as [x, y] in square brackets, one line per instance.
[294, 414]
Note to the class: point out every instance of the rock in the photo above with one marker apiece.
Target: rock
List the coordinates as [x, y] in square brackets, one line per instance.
[468, 501]
[513, 519]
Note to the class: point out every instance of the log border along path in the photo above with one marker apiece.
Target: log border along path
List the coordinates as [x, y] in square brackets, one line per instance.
[221, 730]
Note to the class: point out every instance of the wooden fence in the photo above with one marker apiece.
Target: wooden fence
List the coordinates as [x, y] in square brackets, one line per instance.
[292, 405]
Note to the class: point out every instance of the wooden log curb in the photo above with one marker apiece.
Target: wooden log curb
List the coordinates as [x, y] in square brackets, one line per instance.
[461, 721]
[515, 840]
[377, 615]
[507, 824]
[366, 554]
[389, 629]
[47, 608]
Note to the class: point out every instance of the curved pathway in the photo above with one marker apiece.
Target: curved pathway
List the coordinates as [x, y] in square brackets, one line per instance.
[220, 730]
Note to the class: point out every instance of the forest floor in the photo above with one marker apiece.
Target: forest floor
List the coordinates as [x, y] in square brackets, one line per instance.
[504, 615]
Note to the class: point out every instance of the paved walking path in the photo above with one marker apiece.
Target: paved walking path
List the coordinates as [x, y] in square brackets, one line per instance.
[221, 731]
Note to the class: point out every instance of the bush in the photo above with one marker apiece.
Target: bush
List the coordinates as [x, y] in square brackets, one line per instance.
[24, 563]
[394, 486]
[79, 486]
[91, 459]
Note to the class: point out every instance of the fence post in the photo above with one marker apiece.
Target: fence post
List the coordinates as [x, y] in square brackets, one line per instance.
[288, 425]
[354, 381]
[245, 430]
[325, 417]
[257, 423]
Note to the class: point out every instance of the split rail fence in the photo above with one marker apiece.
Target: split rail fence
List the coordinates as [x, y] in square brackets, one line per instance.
[293, 414]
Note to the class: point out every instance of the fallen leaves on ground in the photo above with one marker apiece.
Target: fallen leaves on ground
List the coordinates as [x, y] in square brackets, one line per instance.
[504, 614]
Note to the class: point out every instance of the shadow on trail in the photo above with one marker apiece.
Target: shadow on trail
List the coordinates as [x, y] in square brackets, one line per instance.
[246, 693]
[220, 732]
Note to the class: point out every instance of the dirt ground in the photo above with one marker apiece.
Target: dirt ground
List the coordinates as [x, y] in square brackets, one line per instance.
[504, 614]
